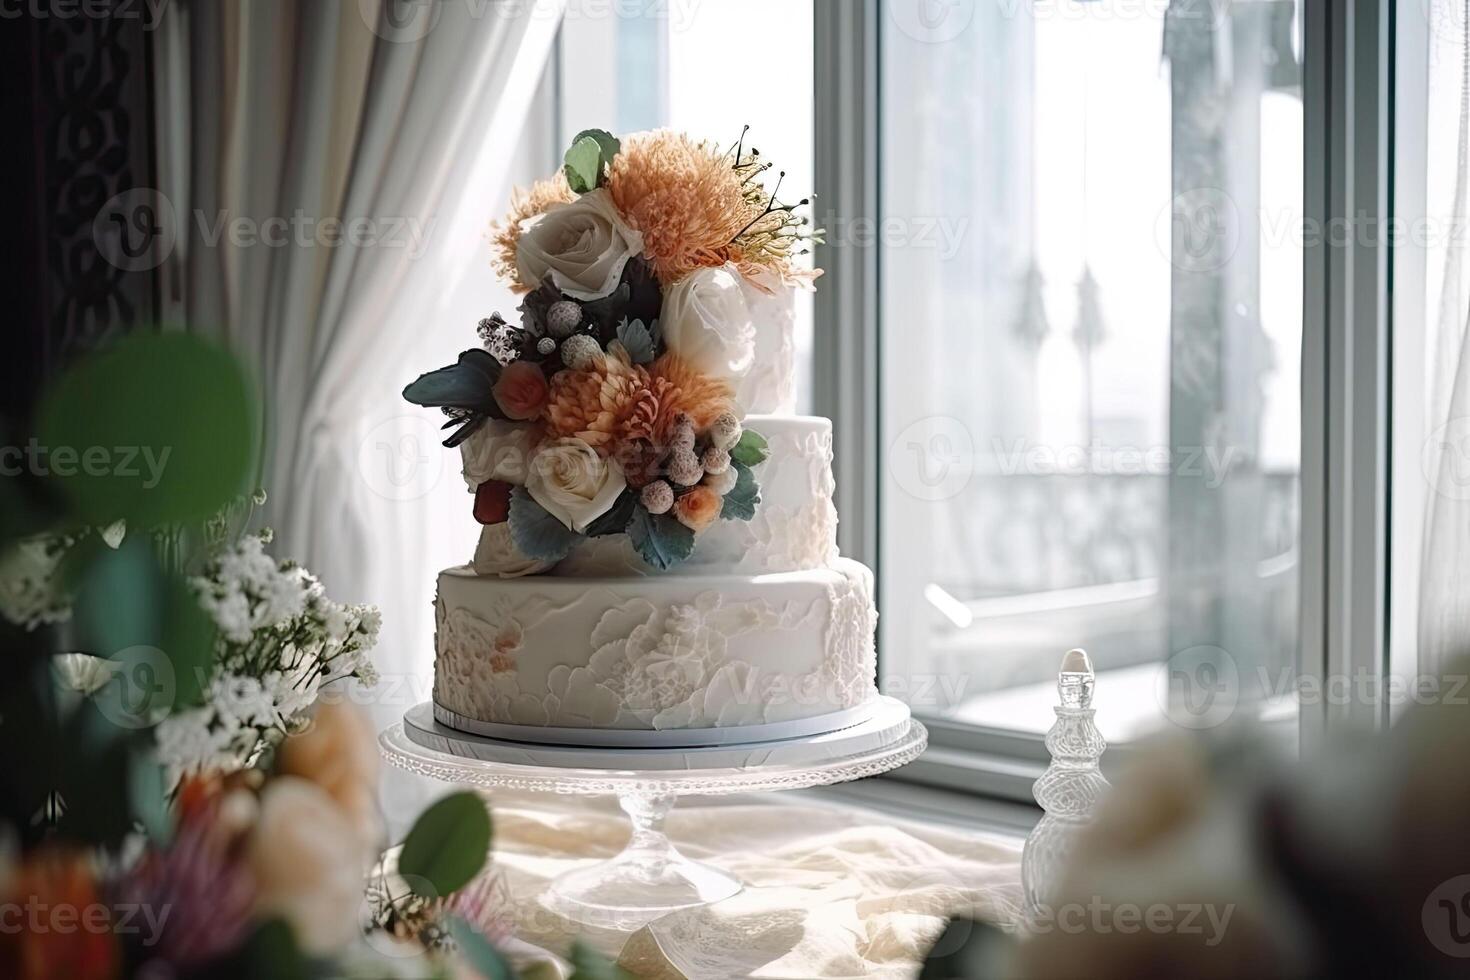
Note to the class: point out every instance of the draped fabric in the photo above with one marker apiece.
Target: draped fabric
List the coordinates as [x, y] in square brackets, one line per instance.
[341, 160]
[1444, 600]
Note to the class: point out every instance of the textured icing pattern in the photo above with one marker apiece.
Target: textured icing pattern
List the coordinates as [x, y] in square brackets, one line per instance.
[653, 665]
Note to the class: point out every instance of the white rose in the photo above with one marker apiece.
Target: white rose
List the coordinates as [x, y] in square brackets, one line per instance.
[582, 245]
[497, 451]
[706, 322]
[573, 483]
[498, 557]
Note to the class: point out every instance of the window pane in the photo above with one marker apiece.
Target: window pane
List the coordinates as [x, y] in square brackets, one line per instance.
[634, 65]
[1091, 334]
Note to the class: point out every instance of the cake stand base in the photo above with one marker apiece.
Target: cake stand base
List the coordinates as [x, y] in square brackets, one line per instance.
[650, 878]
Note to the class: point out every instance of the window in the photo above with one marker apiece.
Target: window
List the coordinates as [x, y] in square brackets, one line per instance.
[1090, 337]
[689, 66]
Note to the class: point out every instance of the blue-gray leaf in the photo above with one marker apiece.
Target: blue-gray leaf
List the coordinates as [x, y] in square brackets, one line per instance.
[660, 539]
[741, 501]
[637, 339]
[536, 532]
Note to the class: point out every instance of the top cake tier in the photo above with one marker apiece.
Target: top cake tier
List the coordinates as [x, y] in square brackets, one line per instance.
[795, 524]
[769, 388]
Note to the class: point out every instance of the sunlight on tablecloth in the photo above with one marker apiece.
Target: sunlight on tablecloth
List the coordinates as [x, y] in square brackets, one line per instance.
[830, 892]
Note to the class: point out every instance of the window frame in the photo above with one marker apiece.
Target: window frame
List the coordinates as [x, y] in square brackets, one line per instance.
[1348, 49]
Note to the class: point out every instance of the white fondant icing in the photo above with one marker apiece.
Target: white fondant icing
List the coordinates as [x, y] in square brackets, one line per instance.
[662, 652]
[769, 387]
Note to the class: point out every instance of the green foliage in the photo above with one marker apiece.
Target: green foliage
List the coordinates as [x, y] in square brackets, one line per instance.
[751, 450]
[271, 951]
[588, 159]
[128, 609]
[588, 964]
[536, 532]
[615, 521]
[159, 428]
[741, 501]
[447, 847]
[477, 951]
[660, 539]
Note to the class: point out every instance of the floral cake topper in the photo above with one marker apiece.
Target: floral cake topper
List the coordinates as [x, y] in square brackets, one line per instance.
[610, 408]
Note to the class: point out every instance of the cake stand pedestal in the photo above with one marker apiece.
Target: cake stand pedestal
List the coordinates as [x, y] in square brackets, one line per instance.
[650, 878]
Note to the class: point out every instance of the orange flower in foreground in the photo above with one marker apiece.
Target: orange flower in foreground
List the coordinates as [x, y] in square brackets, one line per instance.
[686, 199]
[68, 930]
[606, 405]
[699, 508]
[681, 390]
[506, 233]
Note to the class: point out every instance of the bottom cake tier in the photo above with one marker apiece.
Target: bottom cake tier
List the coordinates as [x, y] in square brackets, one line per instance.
[655, 653]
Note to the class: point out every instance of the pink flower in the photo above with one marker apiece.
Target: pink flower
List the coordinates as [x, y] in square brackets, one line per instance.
[521, 391]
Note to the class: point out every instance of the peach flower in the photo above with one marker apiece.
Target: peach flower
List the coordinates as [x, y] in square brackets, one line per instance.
[309, 864]
[699, 508]
[339, 752]
[521, 391]
[58, 882]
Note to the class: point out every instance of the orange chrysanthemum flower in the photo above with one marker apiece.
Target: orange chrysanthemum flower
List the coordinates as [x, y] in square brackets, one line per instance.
[681, 390]
[608, 404]
[506, 233]
[686, 199]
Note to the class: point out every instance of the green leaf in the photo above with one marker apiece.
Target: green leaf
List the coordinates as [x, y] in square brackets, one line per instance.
[536, 532]
[158, 428]
[741, 501]
[589, 158]
[615, 521]
[637, 340]
[477, 951]
[469, 384]
[129, 610]
[608, 144]
[271, 951]
[588, 964]
[752, 449]
[660, 539]
[584, 164]
[447, 847]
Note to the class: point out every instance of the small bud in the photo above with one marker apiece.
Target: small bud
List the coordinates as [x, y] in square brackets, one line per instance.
[685, 468]
[658, 497]
[725, 431]
[545, 346]
[716, 460]
[563, 318]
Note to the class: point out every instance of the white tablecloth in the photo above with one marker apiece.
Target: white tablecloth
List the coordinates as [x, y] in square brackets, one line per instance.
[830, 891]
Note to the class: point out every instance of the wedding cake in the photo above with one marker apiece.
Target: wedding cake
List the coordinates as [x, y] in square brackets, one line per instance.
[658, 540]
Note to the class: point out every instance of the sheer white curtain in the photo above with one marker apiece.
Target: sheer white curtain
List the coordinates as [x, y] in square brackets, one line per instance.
[1444, 599]
[405, 132]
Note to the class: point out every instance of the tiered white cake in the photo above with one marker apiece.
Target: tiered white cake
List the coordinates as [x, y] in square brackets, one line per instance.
[764, 624]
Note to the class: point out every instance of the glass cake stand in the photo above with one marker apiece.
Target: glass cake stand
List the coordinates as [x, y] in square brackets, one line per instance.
[650, 878]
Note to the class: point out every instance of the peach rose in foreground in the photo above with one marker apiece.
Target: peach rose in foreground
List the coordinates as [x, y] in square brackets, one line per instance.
[339, 753]
[309, 864]
[521, 391]
[699, 508]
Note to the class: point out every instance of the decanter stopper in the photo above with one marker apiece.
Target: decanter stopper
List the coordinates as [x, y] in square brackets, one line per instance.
[1069, 789]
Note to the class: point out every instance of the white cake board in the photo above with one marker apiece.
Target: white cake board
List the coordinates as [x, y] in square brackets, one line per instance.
[650, 877]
